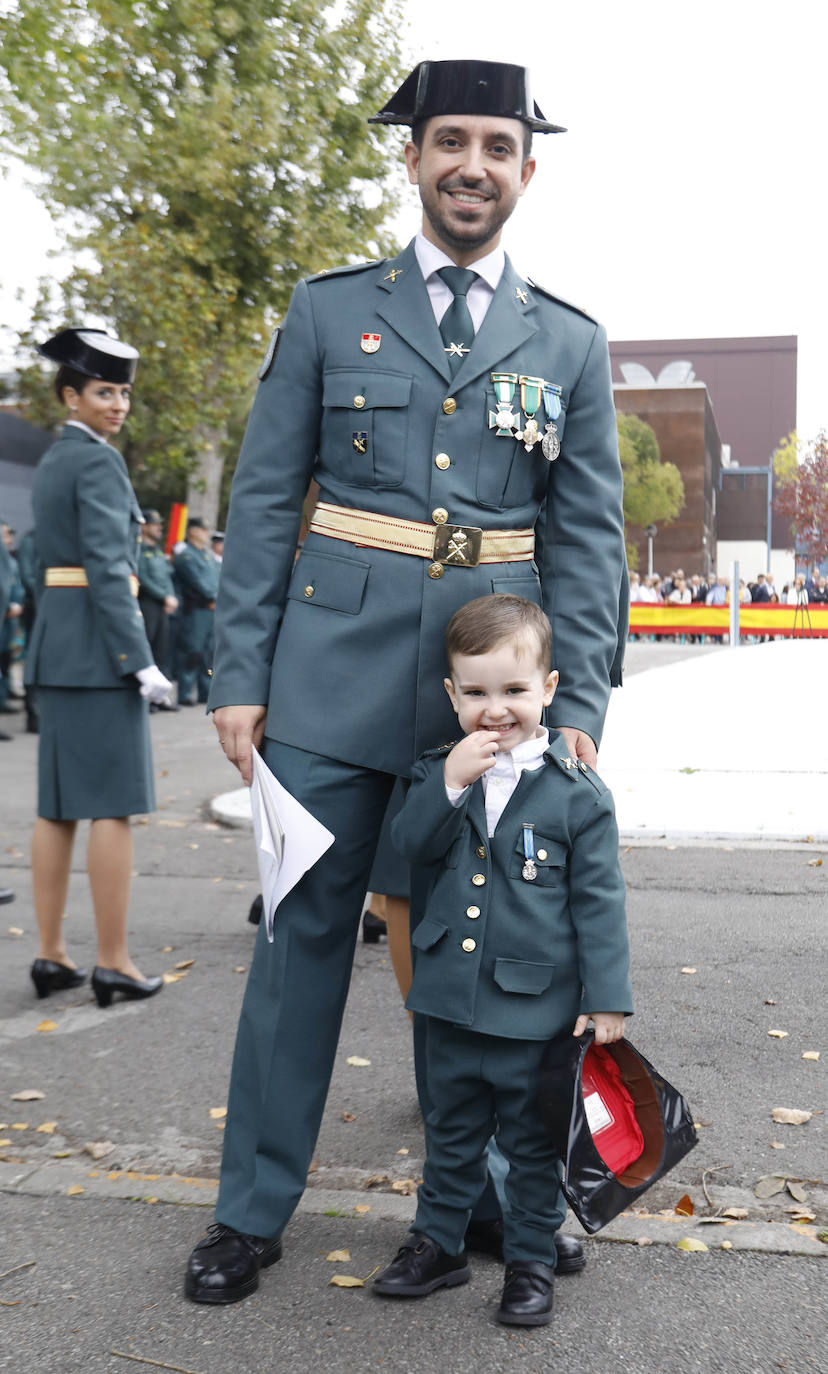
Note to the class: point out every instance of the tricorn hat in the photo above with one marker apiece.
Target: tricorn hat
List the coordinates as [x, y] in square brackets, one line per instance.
[152, 516]
[94, 353]
[465, 88]
[197, 522]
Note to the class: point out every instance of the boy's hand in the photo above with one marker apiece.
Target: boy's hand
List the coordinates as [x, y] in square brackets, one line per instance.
[470, 759]
[609, 1026]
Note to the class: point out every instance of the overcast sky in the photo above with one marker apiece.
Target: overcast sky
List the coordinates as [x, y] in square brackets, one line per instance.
[687, 199]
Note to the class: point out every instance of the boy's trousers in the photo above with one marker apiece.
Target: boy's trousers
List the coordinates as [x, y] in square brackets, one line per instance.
[296, 991]
[484, 1085]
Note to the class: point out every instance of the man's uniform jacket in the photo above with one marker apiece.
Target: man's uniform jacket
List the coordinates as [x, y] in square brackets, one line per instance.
[357, 671]
[496, 952]
[86, 516]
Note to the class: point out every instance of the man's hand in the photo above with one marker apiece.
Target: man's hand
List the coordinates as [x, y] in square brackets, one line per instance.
[580, 745]
[170, 604]
[609, 1026]
[471, 758]
[239, 729]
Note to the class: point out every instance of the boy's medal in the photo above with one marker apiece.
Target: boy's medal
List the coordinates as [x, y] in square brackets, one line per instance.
[529, 871]
[550, 443]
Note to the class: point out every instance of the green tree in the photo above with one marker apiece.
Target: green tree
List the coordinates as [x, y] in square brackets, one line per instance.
[209, 155]
[653, 490]
[801, 494]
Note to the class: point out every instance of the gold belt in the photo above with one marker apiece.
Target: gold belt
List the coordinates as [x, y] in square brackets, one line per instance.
[456, 546]
[76, 577]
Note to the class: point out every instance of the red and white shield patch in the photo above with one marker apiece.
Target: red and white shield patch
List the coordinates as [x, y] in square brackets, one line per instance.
[369, 343]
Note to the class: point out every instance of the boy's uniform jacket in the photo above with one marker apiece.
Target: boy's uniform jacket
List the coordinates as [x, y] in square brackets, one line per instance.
[497, 953]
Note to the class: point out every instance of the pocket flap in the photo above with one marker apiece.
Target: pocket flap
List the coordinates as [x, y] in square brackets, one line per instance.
[514, 976]
[374, 388]
[323, 579]
[548, 853]
[427, 933]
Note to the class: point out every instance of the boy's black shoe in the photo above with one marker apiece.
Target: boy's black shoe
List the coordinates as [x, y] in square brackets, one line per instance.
[528, 1291]
[224, 1266]
[419, 1266]
[486, 1238]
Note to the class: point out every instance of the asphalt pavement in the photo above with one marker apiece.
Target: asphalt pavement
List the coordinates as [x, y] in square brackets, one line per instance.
[728, 945]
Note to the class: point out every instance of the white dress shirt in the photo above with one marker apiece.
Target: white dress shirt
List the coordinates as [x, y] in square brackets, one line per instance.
[80, 425]
[500, 781]
[489, 271]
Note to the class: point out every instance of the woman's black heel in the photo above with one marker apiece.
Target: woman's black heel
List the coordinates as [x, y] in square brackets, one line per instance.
[107, 981]
[48, 976]
[372, 928]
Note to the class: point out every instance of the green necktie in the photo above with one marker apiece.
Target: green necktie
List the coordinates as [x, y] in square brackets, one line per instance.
[456, 326]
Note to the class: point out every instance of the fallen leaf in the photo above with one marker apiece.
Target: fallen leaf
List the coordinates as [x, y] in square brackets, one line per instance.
[240, 968]
[796, 1190]
[5, 1141]
[404, 1151]
[811, 1054]
[769, 1186]
[339, 1257]
[769, 1002]
[791, 1116]
[166, 949]
[217, 1113]
[362, 1207]
[98, 1149]
[356, 1062]
[776, 1144]
[406, 1186]
[726, 1245]
[19, 1126]
[713, 1221]
[312, 1167]
[737, 1213]
[346, 1281]
[74, 1191]
[377, 1181]
[185, 963]
[347, 1116]
[59, 1154]
[644, 1240]
[15, 930]
[778, 1034]
[690, 1243]
[801, 1213]
[172, 977]
[815, 863]
[684, 1206]
[150, 1199]
[28, 1095]
[688, 970]
[47, 1128]
[192, 846]
[47, 1026]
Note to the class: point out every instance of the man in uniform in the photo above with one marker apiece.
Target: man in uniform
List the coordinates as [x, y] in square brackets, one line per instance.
[459, 421]
[196, 579]
[156, 595]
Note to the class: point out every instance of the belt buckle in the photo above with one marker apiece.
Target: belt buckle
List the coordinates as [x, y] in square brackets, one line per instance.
[458, 546]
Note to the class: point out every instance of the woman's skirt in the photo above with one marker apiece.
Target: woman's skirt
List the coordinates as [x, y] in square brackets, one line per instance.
[95, 757]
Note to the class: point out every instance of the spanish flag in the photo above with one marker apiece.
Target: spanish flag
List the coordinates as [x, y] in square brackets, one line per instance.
[176, 526]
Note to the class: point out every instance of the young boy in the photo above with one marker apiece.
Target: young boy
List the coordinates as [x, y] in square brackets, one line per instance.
[523, 936]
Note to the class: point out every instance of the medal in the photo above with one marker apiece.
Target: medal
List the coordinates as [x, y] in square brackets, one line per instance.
[529, 871]
[504, 418]
[550, 443]
[531, 390]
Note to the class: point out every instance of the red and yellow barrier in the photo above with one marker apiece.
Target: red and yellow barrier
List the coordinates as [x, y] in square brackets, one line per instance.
[755, 618]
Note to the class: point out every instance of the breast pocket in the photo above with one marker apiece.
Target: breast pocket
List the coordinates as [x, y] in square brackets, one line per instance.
[507, 475]
[550, 862]
[365, 421]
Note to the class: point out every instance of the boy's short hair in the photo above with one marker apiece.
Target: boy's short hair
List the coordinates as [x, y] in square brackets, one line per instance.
[480, 625]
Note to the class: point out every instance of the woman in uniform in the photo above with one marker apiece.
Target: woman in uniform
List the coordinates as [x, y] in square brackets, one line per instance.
[92, 666]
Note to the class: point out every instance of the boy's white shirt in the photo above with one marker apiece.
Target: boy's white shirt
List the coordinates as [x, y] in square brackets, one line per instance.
[500, 781]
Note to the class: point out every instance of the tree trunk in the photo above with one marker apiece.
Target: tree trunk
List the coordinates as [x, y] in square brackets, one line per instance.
[204, 482]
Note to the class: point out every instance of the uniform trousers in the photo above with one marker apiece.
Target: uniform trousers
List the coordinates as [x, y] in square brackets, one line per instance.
[194, 652]
[295, 996]
[484, 1085]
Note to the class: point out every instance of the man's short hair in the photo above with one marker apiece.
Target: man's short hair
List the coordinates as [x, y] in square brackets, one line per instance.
[483, 624]
[418, 128]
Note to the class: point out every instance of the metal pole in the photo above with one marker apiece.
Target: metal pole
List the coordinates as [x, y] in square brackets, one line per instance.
[649, 555]
[734, 605]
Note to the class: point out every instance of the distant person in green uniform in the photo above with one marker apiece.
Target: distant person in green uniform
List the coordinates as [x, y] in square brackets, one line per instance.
[11, 625]
[459, 422]
[8, 578]
[92, 665]
[156, 593]
[508, 817]
[28, 576]
[196, 575]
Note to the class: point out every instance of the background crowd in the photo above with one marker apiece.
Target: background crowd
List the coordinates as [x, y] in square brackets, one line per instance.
[678, 589]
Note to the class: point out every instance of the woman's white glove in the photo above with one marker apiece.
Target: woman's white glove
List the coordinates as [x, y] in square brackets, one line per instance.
[154, 685]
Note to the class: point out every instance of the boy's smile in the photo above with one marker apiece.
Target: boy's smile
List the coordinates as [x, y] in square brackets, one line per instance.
[503, 691]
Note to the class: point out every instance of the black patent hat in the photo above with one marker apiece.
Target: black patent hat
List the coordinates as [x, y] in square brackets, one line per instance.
[465, 88]
[94, 353]
[152, 516]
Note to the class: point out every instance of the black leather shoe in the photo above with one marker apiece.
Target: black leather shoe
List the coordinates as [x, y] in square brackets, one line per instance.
[254, 915]
[6, 895]
[419, 1266]
[528, 1291]
[373, 927]
[224, 1267]
[48, 976]
[107, 981]
[486, 1238]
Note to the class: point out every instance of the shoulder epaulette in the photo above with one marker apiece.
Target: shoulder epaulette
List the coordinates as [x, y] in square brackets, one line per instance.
[559, 300]
[344, 271]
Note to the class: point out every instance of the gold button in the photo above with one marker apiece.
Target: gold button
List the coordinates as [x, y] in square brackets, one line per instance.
[442, 461]
[470, 946]
[481, 853]
[122, 658]
[479, 879]
[359, 402]
[449, 405]
[472, 912]
[439, 516]
[541, 854]
[435, 570]
[309, 590]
